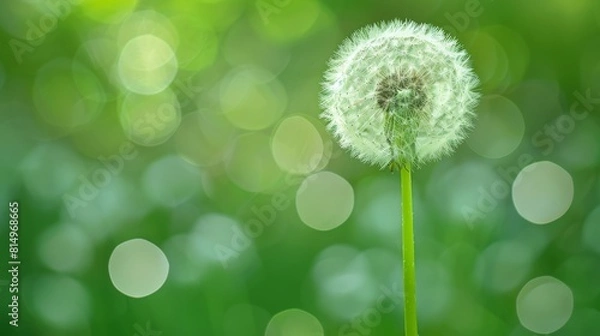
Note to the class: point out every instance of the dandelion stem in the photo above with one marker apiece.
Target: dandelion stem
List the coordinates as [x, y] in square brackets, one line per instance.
[408, 253]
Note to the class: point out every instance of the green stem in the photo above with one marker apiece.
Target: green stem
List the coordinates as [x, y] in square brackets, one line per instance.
[408, 254]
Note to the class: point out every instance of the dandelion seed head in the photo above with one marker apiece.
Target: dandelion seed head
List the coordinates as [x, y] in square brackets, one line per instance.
[399, 92]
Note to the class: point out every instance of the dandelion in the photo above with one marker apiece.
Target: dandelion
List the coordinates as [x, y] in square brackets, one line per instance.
[399, 95]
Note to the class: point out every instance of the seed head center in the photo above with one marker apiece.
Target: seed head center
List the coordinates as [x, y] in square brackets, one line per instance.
[400, 93]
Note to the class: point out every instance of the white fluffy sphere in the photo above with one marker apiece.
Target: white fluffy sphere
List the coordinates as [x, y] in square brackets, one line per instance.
[399, 93]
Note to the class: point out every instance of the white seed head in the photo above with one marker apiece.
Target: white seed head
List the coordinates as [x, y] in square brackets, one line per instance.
[399, 93]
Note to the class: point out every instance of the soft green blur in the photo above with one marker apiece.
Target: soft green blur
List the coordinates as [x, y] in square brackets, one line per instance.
[194, 125]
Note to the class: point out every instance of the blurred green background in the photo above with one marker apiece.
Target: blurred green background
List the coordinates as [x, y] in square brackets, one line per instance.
[173, 176]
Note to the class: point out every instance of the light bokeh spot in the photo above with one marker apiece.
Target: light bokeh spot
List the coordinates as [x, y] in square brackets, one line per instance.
[374, 223]
[343, 279]
[65, 248]
[503, 265]
[183, 269]
[150, 120]
[221, 241]
[252, 98]
[199, 44]
[544, 305]
[542, 192]
[108, 208]
[203, 137]
[171, 181]
[580, 148]
[101, 53]
[67, 94]
[516, 50]
[324, 201]
[215, 243]
[250, 164]
[138, 268]
[489, 58]
[294, 322]
[61, 301]
[479, 199]
[50, 171]
[16, 18]
[499, 128]
[434, 283]
[147, 65]
[297, 146]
